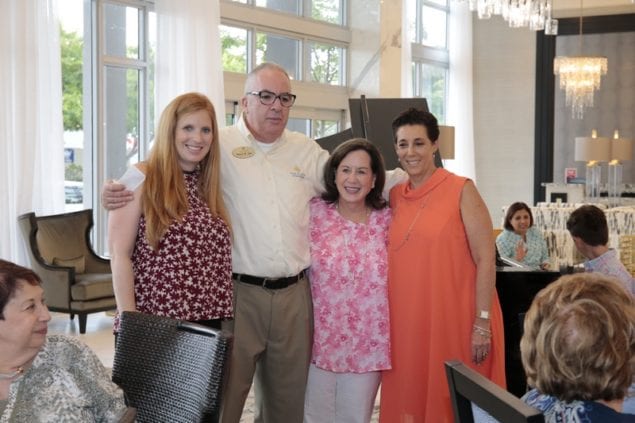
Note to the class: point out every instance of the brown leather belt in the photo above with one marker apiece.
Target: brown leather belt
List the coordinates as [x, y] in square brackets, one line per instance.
[269, 283]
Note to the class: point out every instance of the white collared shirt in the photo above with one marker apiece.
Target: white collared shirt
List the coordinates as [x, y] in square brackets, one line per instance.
[267, 194]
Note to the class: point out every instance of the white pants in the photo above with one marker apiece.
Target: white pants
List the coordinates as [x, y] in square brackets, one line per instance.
[340, 397]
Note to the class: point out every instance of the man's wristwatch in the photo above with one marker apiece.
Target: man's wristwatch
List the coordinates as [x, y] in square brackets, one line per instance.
[483, 314]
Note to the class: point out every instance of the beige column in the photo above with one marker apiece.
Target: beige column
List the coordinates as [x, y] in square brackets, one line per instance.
[390, 61]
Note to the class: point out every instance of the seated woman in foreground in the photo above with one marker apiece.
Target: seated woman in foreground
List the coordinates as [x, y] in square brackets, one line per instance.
[46, 379]
[521, 240]
[578, 350]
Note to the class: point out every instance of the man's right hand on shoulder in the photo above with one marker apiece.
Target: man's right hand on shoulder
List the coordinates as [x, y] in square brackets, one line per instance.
[115, 195]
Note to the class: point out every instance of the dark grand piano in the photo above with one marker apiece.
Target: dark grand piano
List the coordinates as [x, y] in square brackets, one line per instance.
[516, 289]
[371, 118]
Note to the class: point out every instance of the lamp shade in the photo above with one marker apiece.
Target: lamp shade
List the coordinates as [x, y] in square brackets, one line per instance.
[621, 149]
[446, 142]
[589, 149]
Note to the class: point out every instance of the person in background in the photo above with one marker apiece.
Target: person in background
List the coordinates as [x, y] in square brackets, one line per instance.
[590, 232]
[578, 350]
[348, 234]
[521, 240]
[46, 378]
[441, 280]
[171, 246]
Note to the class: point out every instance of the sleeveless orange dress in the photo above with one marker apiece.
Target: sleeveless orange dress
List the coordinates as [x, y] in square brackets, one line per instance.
[431, 289]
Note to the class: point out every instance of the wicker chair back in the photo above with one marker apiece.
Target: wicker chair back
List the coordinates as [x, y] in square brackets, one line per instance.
[170, 370]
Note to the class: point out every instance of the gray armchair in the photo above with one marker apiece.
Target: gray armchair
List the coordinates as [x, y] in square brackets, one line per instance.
[75, 279]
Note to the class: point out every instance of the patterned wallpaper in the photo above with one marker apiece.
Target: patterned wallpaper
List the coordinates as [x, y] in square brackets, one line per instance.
[614, 103]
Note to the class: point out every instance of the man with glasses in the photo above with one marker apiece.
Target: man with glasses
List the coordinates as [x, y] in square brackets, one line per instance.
[269, 174]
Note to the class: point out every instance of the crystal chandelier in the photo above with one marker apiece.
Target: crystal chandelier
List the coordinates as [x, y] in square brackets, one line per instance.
[536, 14]
[580, 76]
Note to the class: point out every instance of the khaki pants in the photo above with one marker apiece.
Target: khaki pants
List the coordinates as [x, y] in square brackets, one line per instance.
[273, 332]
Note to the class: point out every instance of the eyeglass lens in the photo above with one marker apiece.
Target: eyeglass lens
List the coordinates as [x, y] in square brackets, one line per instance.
[267, 98]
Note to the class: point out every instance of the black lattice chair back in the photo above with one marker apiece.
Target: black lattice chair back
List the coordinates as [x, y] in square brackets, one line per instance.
[170, 370]
[467, 388]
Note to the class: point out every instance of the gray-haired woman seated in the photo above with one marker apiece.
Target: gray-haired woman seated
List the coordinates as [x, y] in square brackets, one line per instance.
[578, 349]
[46, 378]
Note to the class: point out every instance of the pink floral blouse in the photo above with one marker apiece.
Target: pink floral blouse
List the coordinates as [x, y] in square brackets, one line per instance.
[349, 286]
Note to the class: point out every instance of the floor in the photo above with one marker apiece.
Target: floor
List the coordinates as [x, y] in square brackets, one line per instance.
[100, 339]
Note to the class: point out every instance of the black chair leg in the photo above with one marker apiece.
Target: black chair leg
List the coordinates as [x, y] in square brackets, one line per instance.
[72, 316]
[82, 322]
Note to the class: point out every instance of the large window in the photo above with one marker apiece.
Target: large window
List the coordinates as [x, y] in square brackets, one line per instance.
[326, 63]
[107, 73]
[125, 77]
[285, 51]
[428, 29]
[235, 51]
[76, 162]
[305, 59]
[108, 51]
[314, 128]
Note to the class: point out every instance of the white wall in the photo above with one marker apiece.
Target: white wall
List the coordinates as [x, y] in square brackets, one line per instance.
[365, 48]
[504, 78]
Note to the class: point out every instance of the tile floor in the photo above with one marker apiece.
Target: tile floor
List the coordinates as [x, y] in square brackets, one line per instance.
[100, 339]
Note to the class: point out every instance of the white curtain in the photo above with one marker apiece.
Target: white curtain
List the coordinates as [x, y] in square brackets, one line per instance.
[31, 126]
[460, 102]
[189, 52]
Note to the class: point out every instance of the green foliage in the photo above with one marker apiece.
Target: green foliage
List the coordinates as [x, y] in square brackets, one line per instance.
[71, 56]
[234, 49]
[326, 11]
[73, 172]
[325, 63]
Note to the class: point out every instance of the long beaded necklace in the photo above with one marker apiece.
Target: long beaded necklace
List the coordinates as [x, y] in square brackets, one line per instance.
[424, 202]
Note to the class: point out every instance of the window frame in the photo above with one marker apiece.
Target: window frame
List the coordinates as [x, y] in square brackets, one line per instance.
[427, 55]
[305, 9]
[99, 98]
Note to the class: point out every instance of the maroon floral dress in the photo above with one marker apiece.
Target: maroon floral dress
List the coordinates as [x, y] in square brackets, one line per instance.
[189, 276]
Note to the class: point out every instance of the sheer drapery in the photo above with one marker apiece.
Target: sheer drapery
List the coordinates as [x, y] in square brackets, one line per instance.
[31, 125]
[460, 102]
[189, 52]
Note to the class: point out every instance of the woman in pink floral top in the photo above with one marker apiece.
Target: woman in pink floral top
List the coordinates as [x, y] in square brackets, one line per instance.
[348, 233]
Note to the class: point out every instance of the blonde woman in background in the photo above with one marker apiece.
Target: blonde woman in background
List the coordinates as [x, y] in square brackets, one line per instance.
[578, 350]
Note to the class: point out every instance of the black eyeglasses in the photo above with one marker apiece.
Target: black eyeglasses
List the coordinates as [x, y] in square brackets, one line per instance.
[267, 98]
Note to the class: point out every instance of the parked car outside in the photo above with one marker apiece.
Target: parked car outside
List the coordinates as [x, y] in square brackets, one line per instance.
[74, 192]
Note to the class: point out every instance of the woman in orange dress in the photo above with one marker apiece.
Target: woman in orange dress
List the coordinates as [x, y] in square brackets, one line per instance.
[441, 281]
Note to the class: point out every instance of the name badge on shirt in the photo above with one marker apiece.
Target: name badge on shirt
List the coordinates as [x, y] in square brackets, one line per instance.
[243, 152]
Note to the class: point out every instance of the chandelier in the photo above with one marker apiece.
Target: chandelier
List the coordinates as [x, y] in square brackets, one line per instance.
[536, 14]
[580, 76]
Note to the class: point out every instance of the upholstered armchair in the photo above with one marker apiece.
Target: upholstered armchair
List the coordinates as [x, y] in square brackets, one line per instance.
[75, 279]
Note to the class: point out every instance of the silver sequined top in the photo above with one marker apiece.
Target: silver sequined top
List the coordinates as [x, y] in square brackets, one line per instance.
[66, 383]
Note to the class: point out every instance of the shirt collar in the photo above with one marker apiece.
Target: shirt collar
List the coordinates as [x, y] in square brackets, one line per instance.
[593, 263]
[242, 127]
